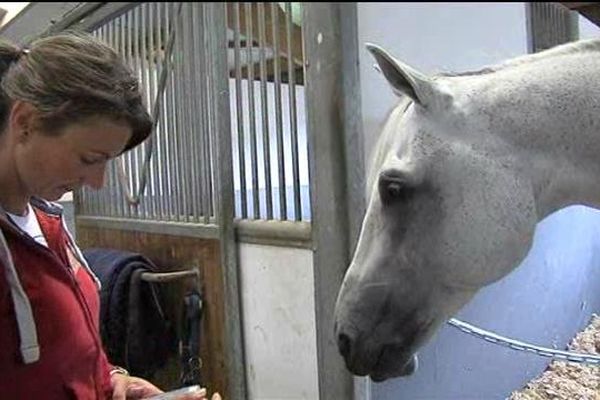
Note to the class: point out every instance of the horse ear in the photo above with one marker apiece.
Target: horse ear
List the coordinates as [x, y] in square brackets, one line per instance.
[403, 79]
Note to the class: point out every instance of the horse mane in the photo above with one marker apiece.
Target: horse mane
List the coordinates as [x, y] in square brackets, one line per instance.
[582, 46]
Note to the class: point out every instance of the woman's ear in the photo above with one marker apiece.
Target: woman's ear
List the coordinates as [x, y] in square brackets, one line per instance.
[21, 120]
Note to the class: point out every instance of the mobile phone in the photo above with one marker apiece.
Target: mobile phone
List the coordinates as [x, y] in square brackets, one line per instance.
[174, 394]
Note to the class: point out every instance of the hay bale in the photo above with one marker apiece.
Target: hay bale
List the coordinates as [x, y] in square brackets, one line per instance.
[569, 381]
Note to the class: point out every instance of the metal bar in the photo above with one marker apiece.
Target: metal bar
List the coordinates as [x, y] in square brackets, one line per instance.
[239, 111]
[127, 157]
[103, 194]
[296, 234]
[195, 112]
[173, 121]
[107, 12]
[152, 65]
[148, 203]
[251, 109]
[264, 108]
[149, 226]
[119, 193]
[323, 34]
[204, 109]
[137, 209]
[162, 142]
[278, 113]
[188, 131]
[114, 183]
[235, 357]
[180, 127]
[293, 116]
[162, 277]
[81, 11]
[212, 133]
[353, 124]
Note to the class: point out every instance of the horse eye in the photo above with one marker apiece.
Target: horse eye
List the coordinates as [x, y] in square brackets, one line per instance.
[392, 190]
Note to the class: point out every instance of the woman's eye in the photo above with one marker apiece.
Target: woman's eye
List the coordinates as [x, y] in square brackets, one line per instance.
[89, 160]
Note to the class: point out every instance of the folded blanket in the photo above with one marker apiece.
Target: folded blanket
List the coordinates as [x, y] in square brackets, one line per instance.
[135, 332]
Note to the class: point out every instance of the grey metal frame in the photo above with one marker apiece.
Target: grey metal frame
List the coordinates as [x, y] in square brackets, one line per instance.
[336, 168]
[215, 18]
[549, 24]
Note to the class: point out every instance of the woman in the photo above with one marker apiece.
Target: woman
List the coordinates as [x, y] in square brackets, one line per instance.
[67, 106]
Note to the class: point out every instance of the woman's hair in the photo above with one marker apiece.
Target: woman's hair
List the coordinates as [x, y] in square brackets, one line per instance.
[69, 77]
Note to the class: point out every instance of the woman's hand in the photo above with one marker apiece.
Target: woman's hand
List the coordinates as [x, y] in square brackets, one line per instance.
[131, 388]
[127, 387]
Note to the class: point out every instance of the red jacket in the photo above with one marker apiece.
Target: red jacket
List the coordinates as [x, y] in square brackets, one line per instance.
[68, 361]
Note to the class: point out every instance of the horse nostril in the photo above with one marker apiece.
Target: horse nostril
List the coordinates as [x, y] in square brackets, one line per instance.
[344, 345]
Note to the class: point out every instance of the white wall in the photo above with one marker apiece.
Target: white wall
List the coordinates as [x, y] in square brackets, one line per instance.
[277, 290]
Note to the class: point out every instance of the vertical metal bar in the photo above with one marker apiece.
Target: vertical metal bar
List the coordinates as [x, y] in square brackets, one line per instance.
[104, 193]
[163, 168]
[166, 115]
[179, 111]
[211, 133]
[264, 108]
[191, 130]
[174, 162]
[184, 93]
[234, 336]
[239, 111]
[185, 109]
[195, 73]
[127, 157]
[251, 108]
[120, 47]
[325, 38]
[152, 64]
[114, 183]
[204, 108]
[148, 198]
[293, 116]
[137, 209]
[278, 112]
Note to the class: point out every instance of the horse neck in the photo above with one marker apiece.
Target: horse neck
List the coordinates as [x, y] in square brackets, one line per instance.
[549, 117]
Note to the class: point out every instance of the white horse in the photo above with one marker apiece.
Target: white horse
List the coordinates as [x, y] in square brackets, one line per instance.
[466, 166]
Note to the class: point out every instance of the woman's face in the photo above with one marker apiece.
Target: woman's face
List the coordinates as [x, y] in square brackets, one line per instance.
[51, 165]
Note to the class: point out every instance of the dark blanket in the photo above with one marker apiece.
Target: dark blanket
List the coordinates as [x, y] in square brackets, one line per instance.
[135, 332]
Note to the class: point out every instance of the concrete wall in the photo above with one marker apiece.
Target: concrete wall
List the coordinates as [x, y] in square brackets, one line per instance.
[553, 293]
[277, 291]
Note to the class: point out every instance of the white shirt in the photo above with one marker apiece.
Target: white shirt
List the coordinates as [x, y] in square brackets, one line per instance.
[29, 224]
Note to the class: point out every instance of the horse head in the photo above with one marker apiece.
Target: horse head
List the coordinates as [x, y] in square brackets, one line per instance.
[450, 210]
